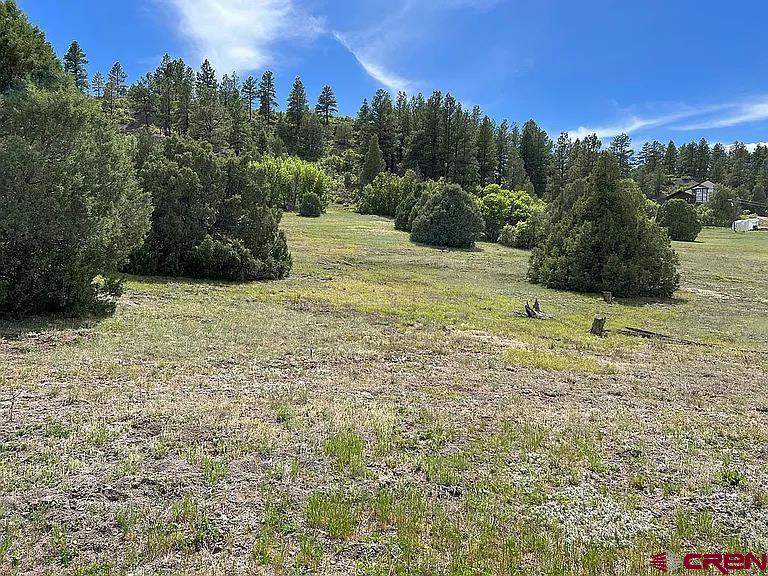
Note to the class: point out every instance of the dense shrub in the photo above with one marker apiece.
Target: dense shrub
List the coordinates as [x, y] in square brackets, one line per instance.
[385, 193]
[706, 215]
[448, 217]
[288, 179]
[500, 207]
[724, 210]
[212, 217]
[70, 207]
[24, 52]
[311, 206]
[680, 219]
[405, 210]
[526, 234]
[651, 208]
[606, 242]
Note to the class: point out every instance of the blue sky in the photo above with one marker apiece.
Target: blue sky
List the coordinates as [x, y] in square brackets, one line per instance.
[666, 69]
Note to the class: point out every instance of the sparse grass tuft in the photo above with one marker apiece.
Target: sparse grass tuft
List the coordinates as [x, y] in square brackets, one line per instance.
[334, 513]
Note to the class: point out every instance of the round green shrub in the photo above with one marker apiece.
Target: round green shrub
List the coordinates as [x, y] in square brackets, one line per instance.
[449, 217]
[70, 207]
[680, 219]
[605, 242]
[311, 206]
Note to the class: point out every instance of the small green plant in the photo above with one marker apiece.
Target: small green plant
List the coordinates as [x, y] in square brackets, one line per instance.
[61, 550]
[310, 554]
[334, 513]
[347, 448]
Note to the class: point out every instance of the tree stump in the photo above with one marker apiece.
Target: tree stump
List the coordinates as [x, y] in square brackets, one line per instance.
[598, 326]
[608, 297]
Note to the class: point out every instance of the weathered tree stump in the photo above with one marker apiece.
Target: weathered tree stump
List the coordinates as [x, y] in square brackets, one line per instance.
[598, 326]
[608, 297]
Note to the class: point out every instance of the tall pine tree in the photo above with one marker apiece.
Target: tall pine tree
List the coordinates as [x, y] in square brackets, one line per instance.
[74, 64]
[326, 104]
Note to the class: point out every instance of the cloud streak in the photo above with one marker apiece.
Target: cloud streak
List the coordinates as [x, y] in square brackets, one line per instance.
[696, 118]
[741, 113]
[240, 34]
[376, 71]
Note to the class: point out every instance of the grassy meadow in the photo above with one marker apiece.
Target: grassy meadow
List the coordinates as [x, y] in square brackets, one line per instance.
[385, 411]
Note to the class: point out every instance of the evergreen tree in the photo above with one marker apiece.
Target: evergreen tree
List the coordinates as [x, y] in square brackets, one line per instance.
[24, 52]
[250, 93]
[718, 163]
[74, 64]
[267, 96]
[385, 128]
[208, 119]
[486, 152]
[605, 241]
[296, 110]
[621, 147]
[535, 150]
[404, 120]
[142, 101]
[97, 85]
[671, 158]
[374, 162]
[584, 156]
[116, 80]
[561, 163]
[363, 128]
[501, 143]
[184, 88]
[326, 104]
[312, 138]
[163, 84]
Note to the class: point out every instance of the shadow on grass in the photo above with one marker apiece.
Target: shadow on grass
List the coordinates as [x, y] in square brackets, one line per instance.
[20, 328]
[647, 301]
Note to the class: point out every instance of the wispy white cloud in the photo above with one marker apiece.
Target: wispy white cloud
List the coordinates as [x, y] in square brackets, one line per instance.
[735, 114]
[373, 69]
[241, 34]
[687, 118]
[634, 123]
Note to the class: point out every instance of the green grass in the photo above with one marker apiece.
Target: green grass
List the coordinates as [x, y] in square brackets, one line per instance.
[385, 411]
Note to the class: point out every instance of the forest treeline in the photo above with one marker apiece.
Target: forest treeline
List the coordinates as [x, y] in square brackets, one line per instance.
[183, 172]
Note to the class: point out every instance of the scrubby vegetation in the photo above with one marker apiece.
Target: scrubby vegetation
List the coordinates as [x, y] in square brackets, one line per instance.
[311, 206]
[447, 217]
[212, 217]
[605, 242]
[680, 219]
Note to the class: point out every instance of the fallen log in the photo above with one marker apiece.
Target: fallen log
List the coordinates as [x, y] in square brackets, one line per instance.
[649, 335]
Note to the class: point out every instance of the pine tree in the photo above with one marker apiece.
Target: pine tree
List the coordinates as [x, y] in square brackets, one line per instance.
[250, 93]
[502, 143]
[183, 87]
[561, 158]
[718, 167]
[486, 152]
[296, 109]
[208, 118]
[621, 147]
[97, 84]
[374, 162]
[671, 158]
[267, 96]
[142, 101]
[116, 79]
[535, 152]
[385, 127]
[404, 119]
[74, 64]
[326, 104]
[363, 128]
[163, 84]
[115, 88]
